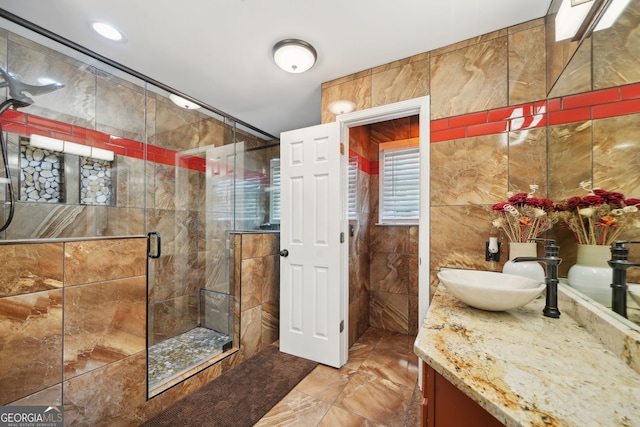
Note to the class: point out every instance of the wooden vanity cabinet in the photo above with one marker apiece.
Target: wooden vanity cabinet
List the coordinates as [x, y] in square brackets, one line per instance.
[443, 405]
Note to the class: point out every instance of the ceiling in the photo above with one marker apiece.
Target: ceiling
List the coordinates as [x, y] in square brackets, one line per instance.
[219, 51]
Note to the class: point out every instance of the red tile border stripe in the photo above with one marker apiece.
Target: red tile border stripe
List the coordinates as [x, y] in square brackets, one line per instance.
[611, 102]
[598, 104]
[614, 109]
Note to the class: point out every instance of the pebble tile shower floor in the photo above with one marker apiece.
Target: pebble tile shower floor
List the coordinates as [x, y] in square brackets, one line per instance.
[175, 355]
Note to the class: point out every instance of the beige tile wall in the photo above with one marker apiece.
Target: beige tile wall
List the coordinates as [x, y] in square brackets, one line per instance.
[258, 272]
[78, 339]
[56, 329]
[468, 175]
[383, 286]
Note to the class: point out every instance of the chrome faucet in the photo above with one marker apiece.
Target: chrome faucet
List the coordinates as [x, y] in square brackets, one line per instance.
[620, 264]
[551, 261]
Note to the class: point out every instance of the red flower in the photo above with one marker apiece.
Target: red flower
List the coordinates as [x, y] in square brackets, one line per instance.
[613, 198]
[608, 223]
[542, 203]
[573, 202]
[591, 201]
[518, 199]
[499, 207]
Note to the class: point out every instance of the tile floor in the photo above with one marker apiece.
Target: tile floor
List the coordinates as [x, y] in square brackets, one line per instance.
[377, 387]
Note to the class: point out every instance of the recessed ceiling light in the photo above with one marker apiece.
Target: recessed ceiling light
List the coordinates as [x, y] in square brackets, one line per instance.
[184, 103]
[107, 31]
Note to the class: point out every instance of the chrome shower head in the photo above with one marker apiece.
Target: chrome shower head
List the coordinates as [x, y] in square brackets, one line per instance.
[18, 90]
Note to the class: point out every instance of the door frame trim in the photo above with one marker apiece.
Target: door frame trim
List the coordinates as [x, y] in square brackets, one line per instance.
[397, 110]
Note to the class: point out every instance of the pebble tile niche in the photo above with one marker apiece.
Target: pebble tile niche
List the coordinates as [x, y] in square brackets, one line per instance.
[42, 177]
[95, 181]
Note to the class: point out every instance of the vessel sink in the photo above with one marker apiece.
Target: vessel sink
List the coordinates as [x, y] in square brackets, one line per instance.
[489, 290]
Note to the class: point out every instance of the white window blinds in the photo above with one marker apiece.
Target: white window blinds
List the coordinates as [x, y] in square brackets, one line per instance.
[352, 200]
[247, 199]
[399, 201]
[274, 199]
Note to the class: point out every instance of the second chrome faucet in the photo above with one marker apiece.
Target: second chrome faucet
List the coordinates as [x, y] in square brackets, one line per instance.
[551, 261]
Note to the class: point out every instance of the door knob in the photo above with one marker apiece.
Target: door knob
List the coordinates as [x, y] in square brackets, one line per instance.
[284, 253]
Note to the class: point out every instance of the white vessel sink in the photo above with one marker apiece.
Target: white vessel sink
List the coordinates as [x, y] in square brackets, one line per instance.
[489, 290]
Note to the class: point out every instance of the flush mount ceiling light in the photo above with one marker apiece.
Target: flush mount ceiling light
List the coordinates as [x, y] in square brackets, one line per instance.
[107, 31]
[342, 107]
[184, 103]
[294, 56]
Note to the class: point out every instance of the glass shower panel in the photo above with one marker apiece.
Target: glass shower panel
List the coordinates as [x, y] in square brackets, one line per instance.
[190, 203]
[99, 111]
[254, 180]
[127, 161]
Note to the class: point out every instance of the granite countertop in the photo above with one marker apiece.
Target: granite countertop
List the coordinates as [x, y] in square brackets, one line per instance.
[526, 369]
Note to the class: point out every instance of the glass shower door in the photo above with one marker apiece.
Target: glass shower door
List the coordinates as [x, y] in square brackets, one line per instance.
[190, 306]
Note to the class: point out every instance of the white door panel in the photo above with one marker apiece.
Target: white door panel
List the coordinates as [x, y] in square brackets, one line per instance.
[312, 212]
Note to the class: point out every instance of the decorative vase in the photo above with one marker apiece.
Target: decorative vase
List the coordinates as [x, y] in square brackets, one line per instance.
[591, 275]
[531, 269]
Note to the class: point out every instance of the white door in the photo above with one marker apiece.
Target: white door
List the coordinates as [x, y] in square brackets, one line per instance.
[311, 259]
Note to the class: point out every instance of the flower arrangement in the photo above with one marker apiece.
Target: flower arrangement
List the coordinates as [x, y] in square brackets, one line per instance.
[599, 217]
[523, 217]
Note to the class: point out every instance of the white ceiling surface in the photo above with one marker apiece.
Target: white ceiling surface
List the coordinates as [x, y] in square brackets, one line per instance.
[219, 51]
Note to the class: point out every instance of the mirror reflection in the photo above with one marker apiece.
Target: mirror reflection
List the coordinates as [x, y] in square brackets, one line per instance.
[602, 64]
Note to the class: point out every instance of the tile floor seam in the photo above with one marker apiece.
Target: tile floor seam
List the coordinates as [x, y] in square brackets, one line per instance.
[323, 415]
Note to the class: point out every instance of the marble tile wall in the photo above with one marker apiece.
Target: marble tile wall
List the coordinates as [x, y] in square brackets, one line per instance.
[382, 260]
[473, 169]
[57, 327]
[92, 100]
[359, 262]
[615, 52]
[257, 269]
[393, 275]
[78, 338]
[393, 249]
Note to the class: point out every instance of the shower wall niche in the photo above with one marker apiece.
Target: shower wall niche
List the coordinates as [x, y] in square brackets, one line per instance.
[41, 175]
[96, 187]
[53, 176]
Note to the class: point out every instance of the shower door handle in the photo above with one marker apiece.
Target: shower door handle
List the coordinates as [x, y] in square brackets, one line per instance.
[158, 244]
[284, 253]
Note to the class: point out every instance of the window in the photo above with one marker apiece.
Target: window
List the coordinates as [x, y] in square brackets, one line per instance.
[352, 201]
[247, 201]
[274, 199]
[399, 201]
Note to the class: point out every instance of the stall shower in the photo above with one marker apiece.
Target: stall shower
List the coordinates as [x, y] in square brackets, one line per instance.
[124, 161]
